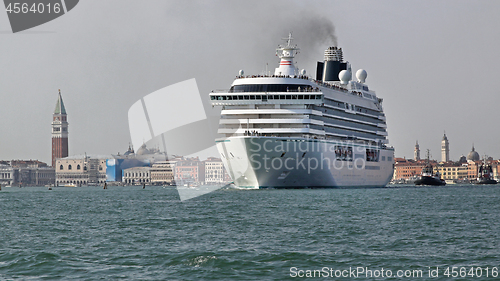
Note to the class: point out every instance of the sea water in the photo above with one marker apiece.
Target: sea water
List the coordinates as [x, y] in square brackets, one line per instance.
[130, 233]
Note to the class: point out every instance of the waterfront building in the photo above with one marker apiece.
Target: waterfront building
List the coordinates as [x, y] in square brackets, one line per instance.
[451, 171]
[144, 157]
[33, 173]
[445, 149]
[59, 131]
[162, 173]
[177, 170]
[190, 171]
[36, 176]
[215, 172]
[465, 170]
[8, 175]
[405, 169]
[81, 170]
[473, 163]
[496, 170]
[473, 169]
[137, 175]
[26, 173]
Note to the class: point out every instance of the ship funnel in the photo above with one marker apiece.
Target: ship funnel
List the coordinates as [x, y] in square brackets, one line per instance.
[333, 64]
[334, 54]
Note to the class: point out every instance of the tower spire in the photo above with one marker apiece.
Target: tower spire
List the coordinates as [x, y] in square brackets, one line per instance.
[60, 109]
[445, 149]
[59, 131]
[416, 153]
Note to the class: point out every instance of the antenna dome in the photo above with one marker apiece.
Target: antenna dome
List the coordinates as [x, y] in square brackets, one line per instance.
[361, 75]
[303, 72]
[241, 72]
[345, 76]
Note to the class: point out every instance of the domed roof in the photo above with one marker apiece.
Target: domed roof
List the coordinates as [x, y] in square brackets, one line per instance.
[129, 151]
[143, 150]
[462, 159]
[473, 155]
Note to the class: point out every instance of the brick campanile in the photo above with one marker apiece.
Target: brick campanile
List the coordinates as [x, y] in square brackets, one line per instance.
[59, 131]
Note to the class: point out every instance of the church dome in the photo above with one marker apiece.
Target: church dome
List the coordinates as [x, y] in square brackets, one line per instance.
[473, 155]
[143, 150]
[129, 151]
[462, 159]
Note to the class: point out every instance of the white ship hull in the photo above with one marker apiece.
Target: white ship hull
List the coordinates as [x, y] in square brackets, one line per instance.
[262, 162]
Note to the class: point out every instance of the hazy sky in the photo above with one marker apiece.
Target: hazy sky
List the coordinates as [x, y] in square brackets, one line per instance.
[435, 64]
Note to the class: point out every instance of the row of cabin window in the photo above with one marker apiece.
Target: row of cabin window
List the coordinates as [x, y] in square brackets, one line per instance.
[267, 97]
[350, 107]
[271, 88]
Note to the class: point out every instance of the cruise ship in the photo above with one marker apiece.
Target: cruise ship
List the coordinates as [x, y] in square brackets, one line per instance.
[290, 130]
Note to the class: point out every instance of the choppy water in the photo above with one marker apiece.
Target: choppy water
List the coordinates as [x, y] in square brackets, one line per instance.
[129, 233]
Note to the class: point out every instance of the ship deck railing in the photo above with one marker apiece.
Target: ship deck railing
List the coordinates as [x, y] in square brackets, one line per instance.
[228, 91]
[273, 76]
[371, 95]
[331, 86]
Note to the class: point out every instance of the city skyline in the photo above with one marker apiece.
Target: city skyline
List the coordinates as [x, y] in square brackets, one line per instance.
[417, 154]
[430, 63]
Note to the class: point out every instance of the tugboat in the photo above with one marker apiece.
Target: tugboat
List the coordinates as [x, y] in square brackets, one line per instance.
[427, 177]
[485, 174]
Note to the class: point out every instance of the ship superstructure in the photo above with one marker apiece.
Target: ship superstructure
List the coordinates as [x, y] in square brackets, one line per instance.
[332, 118]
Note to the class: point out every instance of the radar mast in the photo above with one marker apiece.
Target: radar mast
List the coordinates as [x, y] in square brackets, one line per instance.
[286, 53]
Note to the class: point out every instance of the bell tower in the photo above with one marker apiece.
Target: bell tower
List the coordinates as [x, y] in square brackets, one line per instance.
[416, 152]
[59, 131]
[445, 149]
